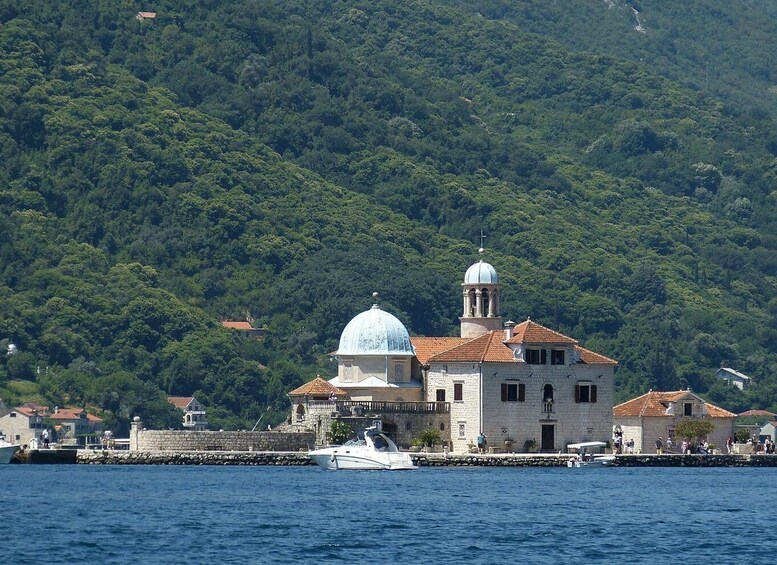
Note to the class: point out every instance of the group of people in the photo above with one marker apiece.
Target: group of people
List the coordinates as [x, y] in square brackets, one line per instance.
[766, 447]
[620, 444]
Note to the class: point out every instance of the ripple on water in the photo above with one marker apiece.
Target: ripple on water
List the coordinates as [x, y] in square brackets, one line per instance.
[281, 515]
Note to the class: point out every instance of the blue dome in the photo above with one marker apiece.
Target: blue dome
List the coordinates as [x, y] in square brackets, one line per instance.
[481, 273]
[375, 332]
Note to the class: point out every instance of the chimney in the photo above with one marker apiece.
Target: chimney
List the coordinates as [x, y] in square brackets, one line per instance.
[509, 325]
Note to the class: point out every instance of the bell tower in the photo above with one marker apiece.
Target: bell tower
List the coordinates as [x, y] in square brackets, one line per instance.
[480, 293]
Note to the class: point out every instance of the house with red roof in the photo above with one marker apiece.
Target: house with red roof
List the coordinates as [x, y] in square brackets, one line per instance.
[245, 327]
[76, 425]
[656, 414]
[24, 424]
[193, 416]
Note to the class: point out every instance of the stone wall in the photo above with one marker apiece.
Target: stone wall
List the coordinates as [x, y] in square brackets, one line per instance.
[190, 440]
[87, 457]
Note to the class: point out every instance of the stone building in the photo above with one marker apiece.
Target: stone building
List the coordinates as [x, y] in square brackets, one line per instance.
[24, 424]
[77, 425]
[521, 385]
[656, 414]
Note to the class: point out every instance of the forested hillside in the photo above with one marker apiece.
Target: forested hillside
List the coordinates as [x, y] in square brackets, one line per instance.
[283, 160]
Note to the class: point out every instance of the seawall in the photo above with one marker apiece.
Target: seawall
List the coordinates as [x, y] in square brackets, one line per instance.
[288, 458]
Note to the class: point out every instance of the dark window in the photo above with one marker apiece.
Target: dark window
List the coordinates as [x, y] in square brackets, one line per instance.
[442, 426]
[458, 391]
[513, 392]
[585, 392]
[533, 356]
[688, 409]
[440, 395]
[547, 393]
[557, 357]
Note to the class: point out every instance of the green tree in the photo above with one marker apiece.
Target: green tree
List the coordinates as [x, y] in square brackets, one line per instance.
[339, 432]
[693, 429]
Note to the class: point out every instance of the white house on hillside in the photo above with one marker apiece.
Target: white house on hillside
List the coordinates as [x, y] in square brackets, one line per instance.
[739, 380]
[193, 412]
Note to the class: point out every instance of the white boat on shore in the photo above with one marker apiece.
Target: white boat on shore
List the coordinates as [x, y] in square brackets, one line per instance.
[7, 450]
[375, 451]
[585, 456]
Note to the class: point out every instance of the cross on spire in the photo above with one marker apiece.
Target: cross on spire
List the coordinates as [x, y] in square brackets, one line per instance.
[482, 239]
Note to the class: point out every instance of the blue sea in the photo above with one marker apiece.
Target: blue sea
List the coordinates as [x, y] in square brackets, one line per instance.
[171, 514]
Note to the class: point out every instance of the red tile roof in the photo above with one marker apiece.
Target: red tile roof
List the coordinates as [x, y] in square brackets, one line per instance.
[427, 347]
[531, 332]
[757, 413]
[485, 348]
[592, 358]
[238, 325]
[180, 401]
[655, 403]
[72, 414]
[29, 412]
[318, 387]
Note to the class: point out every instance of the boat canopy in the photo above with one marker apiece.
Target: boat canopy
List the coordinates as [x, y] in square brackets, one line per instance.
[586, 445]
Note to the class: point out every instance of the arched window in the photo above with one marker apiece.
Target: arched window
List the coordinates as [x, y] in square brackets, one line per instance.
[300, 412]
[547, 398]
[484, 302]
[472, 302]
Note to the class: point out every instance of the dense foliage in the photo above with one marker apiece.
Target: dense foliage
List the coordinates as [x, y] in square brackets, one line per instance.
[282, 160]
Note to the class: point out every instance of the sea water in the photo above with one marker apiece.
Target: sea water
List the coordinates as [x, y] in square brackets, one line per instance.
[172, 514]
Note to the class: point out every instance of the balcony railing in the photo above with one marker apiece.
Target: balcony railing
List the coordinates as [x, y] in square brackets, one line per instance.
[350, 407]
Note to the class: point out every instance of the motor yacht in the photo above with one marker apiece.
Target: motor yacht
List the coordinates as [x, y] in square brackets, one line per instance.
[373, 451]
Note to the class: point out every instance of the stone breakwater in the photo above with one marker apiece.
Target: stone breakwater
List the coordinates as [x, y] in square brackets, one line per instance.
[107, 457]
[192, 458]
[672, 460]
[288, 458]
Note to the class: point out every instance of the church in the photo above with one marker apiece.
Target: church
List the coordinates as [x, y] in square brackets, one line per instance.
[525, 386]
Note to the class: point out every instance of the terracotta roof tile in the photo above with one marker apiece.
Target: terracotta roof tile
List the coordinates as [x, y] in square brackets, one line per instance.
[758, 413]
[427, 347]
[180, 401]
[237, 325]
[487, 347]
[593, 358]
[654, 403]
[531, 332]
[317, 387]
[72, 414]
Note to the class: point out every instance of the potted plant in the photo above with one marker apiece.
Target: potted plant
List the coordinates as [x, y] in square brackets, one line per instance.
[530, 445]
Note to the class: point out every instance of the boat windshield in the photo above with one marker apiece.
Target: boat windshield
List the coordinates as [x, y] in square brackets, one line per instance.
[354, 442]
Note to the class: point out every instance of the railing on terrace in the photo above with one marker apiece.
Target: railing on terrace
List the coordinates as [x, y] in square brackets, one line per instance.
[348, 407]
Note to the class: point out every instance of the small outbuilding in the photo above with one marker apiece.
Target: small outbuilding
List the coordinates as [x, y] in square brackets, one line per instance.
[655, 414]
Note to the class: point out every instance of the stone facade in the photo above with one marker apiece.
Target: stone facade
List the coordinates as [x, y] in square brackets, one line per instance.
[508, 424]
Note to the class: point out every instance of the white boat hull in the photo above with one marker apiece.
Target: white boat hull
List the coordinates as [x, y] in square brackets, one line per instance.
[7, 453]
[336, 459]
